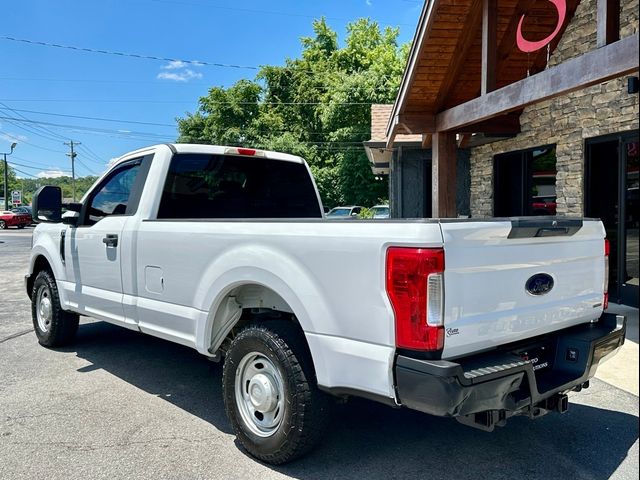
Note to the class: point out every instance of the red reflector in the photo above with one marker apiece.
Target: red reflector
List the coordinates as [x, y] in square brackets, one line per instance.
[408, 270]
[607, 247]
[246, 151]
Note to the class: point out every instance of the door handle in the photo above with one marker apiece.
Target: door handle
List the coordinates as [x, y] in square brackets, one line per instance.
[111, 240]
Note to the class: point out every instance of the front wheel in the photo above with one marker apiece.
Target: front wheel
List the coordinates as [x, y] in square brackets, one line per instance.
[54, 327]
[3, 224]
[270, 394]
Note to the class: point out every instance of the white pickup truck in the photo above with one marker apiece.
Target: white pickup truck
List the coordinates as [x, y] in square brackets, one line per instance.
[226, 250]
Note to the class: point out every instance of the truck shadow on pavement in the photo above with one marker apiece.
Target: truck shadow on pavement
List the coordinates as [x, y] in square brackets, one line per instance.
[368, 440]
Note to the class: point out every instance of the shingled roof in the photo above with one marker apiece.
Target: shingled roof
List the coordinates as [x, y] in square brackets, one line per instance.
[380, 114]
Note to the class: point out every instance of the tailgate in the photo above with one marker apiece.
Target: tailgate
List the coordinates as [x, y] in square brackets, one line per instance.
[498, 276]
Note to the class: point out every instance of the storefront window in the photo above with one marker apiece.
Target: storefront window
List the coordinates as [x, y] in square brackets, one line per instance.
[631, 213]
[524, 182]
[611, 194]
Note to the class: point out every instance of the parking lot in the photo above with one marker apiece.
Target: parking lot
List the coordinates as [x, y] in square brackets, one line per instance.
[118, 404]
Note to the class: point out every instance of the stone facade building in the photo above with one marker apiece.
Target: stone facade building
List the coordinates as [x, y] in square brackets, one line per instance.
[563, 139]
[566, 121]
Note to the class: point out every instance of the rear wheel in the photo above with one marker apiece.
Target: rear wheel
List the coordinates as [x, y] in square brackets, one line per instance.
[270, 393]
[54, 327]
[21, 225]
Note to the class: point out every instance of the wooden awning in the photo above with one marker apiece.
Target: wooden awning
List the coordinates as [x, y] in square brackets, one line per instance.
[465, 49]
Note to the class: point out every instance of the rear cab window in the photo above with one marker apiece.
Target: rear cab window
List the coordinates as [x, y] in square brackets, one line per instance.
[228, 186]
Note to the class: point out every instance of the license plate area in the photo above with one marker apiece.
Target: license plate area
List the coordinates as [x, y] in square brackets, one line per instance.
[540, 356]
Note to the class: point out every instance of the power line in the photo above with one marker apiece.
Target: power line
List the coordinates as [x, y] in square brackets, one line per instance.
[43, 129]
[259, 103]
[151, 136]
[95, 118]
[25, 173]
[126, 54]
[41, 165]
[92, 157]
[175, 60]
[92, 172]
[21, 140]
[126, 133]
[44, 132]
[23, 166]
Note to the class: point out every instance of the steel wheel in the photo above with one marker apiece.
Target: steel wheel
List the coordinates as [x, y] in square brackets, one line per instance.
[53, 325]
[259, 394]
[44, 310]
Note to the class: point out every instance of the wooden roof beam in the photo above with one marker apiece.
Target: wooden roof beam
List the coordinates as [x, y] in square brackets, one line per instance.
[464, 139]
[461, 52]
[425, 24]
[416, 123]
[597, 66]
[503, 125]
[508, 42]
[489, 45]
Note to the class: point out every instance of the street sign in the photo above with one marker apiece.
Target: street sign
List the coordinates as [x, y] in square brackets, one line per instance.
[16, 197]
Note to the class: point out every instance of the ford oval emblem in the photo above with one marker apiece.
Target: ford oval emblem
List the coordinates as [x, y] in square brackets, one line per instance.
[539, 284]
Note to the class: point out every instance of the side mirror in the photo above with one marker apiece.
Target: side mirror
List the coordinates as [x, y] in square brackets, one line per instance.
[47, 205]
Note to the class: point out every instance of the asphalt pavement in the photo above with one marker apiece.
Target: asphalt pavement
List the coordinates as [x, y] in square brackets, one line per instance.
[119, 404]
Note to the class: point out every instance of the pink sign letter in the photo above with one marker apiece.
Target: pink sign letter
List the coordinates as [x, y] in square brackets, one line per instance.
[527, 46]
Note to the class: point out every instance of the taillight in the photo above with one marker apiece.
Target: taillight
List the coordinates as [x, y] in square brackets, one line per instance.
[607, 247]
[248, 152]
[415, 286]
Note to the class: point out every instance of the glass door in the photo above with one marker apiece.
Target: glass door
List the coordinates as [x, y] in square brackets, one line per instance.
[611, 194]
[629, 263]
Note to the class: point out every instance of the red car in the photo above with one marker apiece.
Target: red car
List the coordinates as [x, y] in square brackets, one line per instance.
[10, 219]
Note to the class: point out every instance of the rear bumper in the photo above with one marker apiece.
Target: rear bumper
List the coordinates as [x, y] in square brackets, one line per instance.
[504, 382]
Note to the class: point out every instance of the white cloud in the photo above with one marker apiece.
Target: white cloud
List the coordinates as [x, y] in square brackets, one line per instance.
[179, 71]
[182, 76]
[53, 174]
[12, 137]
[368, 2]
[174, 65]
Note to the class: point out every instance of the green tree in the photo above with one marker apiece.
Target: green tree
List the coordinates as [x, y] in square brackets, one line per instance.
[12, 184]
[316, 106]
[30, 185]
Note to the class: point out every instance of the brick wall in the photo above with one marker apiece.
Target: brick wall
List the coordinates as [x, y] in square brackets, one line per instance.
[567, 120]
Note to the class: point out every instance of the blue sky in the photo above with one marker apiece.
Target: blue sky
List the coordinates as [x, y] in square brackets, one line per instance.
[46, 93]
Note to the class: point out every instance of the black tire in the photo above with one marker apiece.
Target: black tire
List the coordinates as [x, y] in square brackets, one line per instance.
[21, 226]
[305, 408]
[54, 327]
[3, 225]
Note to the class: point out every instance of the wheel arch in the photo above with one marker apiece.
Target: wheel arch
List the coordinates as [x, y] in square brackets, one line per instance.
[244, 302]
[39, 263]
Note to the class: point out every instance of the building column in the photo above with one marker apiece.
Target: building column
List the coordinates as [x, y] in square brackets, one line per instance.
[443, 178]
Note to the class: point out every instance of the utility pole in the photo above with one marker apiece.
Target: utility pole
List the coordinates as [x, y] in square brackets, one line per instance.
[6, 177]
[73, 155]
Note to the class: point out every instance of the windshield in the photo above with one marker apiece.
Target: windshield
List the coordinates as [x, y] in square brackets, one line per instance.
[381, 211]
[339, 212]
